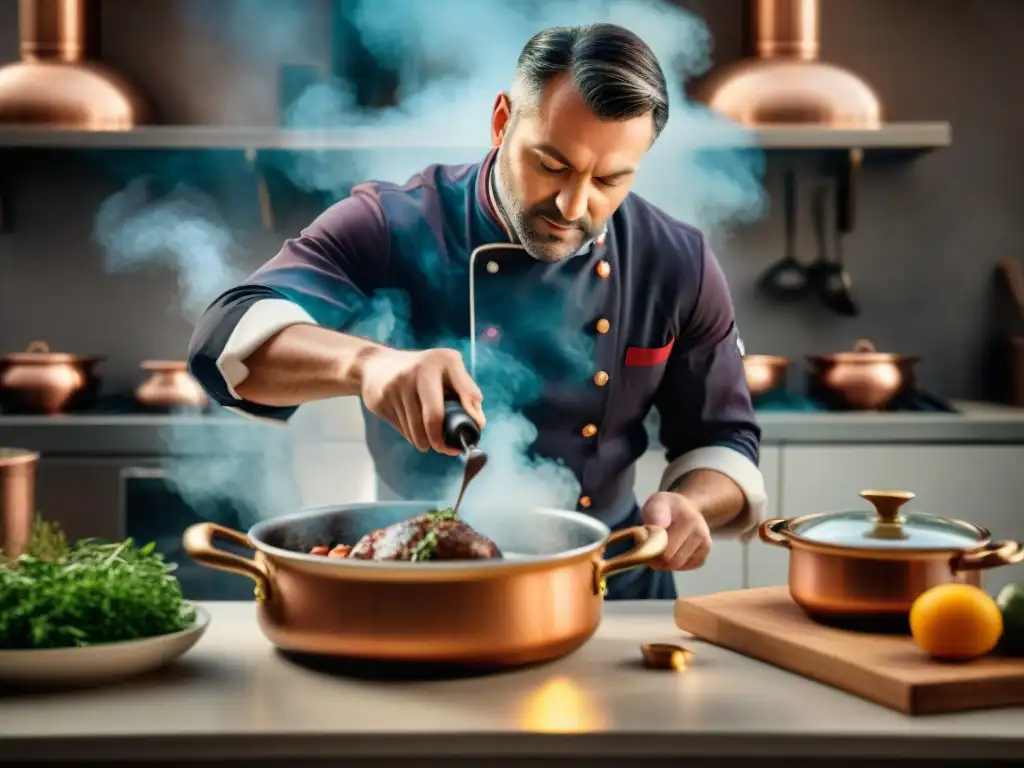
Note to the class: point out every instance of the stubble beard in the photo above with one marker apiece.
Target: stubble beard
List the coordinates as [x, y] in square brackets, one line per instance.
[540, 246]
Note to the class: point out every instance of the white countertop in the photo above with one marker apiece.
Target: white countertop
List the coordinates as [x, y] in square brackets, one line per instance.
[234, 698]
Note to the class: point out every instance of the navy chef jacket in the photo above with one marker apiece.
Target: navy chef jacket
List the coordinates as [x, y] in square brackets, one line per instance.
[584, 348]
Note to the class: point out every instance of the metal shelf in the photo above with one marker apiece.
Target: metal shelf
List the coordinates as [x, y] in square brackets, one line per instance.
[905, 137]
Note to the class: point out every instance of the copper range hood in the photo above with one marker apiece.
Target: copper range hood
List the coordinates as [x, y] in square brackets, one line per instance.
[785, 83]
[53, 85]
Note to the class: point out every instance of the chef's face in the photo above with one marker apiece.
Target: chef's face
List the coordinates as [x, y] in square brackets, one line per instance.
[562, 171]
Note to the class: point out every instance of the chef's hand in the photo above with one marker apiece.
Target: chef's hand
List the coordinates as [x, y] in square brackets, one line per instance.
[689, 537]
[407, 389]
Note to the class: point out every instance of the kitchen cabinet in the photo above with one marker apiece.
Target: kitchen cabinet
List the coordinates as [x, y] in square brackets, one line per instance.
[981, 483]
[726, 568]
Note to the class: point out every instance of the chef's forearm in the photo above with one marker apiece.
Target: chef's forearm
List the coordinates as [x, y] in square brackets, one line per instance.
[717, 496]
[303, 363]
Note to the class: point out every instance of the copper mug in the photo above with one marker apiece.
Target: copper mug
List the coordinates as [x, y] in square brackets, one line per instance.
[17, 500]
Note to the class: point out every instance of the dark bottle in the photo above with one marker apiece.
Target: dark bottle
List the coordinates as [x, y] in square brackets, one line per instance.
[460, 429]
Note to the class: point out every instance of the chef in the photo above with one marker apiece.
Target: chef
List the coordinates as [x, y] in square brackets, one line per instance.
[542, 257]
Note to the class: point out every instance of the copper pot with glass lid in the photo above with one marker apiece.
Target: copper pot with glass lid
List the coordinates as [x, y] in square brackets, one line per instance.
[868, 567]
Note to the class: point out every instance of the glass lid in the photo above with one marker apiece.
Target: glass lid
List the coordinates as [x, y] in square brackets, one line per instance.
[887, 528]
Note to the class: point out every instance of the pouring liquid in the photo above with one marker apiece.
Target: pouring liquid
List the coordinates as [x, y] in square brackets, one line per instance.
[461, 431]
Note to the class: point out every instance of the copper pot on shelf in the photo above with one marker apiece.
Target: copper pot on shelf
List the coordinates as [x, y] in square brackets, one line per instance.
[170, 385]
[785, 82]
[17, 500]
[40, 381]
[53, 85]
[765, 373]
[868, 568]
[524, 608]
[861, 380]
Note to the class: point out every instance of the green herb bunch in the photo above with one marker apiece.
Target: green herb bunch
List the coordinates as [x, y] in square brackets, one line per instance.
[426, 547]
[56, 596]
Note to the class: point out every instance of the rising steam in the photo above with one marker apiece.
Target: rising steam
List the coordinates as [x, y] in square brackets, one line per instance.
[470, 47]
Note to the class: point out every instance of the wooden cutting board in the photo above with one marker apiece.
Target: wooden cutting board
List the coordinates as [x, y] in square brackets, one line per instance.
[766, 624]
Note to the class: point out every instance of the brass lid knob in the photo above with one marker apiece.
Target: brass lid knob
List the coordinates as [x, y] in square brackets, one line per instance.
[887, 503]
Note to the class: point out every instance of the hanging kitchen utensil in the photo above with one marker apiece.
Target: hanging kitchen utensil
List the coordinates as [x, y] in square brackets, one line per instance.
[263, 196]
[787, 279]
[785, 83]
[831, 281]
[53, 85]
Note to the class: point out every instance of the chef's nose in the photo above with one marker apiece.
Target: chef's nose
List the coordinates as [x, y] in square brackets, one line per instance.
[572, 202]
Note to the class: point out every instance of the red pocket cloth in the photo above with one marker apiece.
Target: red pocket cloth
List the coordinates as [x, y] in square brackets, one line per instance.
[637, 357]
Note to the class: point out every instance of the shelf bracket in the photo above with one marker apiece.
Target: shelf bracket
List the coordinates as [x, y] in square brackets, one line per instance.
[262, 190]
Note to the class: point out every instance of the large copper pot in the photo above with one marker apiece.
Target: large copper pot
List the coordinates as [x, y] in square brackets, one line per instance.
[861, 380]
[17, 500]
[542, 601]
[869, 567]
[785, 82]
[53, 85]
[40, 381]
[170, 385]
[765, 373]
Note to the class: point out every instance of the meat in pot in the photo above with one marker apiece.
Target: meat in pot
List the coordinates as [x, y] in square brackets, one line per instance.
[434, 535]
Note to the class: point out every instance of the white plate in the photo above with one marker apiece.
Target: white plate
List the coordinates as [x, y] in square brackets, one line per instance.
[103, 663]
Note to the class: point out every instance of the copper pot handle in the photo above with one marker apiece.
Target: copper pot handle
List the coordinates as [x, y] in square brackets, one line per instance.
[650, 543]
[768, 532]
[864, 346]
[38, 348]
[990, 556]
[198, 543]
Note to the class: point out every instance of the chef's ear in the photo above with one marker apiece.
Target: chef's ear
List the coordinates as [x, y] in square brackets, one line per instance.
[501, 116]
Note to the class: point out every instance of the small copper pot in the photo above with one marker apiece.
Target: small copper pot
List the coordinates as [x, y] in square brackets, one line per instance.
[17, 500]
[40, 381]
[170, 385]
[861, 380]
[765, 373]
[540, 601]
[870, 567]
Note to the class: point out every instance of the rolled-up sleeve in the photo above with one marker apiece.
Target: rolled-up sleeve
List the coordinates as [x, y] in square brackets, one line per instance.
[324, 277]
[707, 418]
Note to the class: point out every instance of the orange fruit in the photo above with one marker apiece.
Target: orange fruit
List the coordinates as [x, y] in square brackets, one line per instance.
[956, 622]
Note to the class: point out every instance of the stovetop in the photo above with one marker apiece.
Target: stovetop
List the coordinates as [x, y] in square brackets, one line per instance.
[118, 404]
[915, 401]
